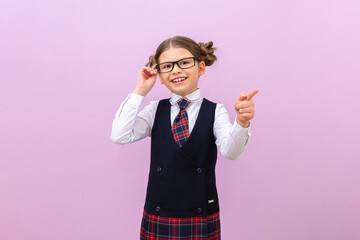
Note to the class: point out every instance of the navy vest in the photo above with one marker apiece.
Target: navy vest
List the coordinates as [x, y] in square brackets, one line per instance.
[182, 180]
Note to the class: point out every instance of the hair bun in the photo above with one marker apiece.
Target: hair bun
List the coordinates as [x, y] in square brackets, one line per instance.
[207, 52]
[151, 61]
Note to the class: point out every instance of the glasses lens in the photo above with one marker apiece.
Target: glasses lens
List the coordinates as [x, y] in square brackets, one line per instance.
[183, 63]
[165, 67]
[187, 63]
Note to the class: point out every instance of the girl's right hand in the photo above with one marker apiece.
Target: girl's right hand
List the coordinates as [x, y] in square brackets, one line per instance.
[145, 80]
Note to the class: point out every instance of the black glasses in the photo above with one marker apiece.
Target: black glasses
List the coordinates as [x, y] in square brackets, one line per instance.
[182, 63]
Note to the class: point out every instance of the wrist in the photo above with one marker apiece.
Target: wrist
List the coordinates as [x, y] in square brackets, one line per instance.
[244, 124]
[140, 91]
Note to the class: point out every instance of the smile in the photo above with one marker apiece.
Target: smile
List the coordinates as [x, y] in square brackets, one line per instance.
[178, 80]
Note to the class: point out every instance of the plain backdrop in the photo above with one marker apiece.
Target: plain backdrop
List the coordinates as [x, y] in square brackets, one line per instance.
[66, 66]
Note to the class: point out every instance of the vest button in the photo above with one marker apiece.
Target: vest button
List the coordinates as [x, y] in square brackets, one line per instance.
[199, 170]
[157, 209]
[199, 210]
[159, 169]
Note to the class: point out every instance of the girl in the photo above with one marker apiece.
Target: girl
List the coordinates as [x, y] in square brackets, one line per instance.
[185, 130]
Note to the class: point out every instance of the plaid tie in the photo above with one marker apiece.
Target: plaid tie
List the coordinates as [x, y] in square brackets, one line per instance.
[180, 127]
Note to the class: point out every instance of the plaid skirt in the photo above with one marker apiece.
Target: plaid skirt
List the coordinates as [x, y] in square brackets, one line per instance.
[192, 228]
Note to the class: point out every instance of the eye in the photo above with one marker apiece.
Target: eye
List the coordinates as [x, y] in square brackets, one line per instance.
[185, 62]
[165, 66]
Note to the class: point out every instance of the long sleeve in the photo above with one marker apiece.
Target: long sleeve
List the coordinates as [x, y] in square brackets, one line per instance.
[231, 139]
[130, 125]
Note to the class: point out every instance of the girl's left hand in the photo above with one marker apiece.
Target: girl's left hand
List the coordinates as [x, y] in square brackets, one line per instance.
[245, 108]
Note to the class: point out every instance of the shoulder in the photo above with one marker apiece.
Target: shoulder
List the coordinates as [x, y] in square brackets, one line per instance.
[219, 107]
[155, 103]
[164, 101]
[220, 111]
[153, 106]
[209, 103]
[149, 112]
[150, 109]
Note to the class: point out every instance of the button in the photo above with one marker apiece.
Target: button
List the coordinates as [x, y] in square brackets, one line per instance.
[199, 210]
[159, 169]
[157, 209]
[199, 170]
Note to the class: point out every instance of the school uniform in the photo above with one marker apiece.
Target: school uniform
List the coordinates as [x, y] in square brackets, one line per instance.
[181, 199]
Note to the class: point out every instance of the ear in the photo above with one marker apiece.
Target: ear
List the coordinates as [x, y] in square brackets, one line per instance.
[201, 68]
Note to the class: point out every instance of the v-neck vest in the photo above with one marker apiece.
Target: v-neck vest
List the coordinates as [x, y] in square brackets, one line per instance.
[182, 179]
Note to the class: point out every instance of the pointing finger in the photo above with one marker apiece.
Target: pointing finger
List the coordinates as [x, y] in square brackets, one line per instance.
[252, 94]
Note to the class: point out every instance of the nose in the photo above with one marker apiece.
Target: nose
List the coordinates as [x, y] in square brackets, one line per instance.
[176, 68]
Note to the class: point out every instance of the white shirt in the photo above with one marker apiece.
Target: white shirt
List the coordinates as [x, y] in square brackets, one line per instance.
[130, 125]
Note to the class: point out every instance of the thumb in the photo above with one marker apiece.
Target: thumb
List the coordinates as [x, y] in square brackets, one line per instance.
[243, 96]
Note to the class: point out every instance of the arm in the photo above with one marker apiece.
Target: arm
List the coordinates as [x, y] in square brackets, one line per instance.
[129, 125]
[231, 139]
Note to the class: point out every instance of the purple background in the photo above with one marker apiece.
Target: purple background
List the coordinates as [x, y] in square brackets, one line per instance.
[65, 67]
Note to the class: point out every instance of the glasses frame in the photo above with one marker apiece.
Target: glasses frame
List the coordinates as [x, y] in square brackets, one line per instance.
[177, 63]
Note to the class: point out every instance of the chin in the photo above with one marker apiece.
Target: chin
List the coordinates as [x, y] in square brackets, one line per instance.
[184, 93]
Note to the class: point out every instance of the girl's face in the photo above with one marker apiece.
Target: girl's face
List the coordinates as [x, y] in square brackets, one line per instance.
[191, 75]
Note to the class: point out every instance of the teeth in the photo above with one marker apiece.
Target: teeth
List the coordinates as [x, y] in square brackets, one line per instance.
[179, 79]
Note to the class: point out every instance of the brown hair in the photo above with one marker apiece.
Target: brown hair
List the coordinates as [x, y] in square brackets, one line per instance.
[202, 51]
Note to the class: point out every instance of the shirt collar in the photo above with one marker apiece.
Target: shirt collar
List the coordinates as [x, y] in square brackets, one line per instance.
[193, 97]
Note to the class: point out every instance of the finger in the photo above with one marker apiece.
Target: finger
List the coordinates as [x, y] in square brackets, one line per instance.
[246, 104]
[149, 71]
[246, 110]
[145, 69]
[247, 116]
[242, 97]
[239, 105]
[154, 69]
[252, 94]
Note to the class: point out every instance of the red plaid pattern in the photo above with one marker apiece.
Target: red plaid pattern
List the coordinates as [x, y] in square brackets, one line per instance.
[167, 228]
[180, 127]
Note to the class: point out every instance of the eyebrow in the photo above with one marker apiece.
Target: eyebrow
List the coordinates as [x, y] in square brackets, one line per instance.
[176, 60]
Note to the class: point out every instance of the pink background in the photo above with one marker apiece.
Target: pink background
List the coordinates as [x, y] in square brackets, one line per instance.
[65, 67]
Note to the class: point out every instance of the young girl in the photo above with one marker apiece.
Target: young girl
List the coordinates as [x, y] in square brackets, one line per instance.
[186, 130]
